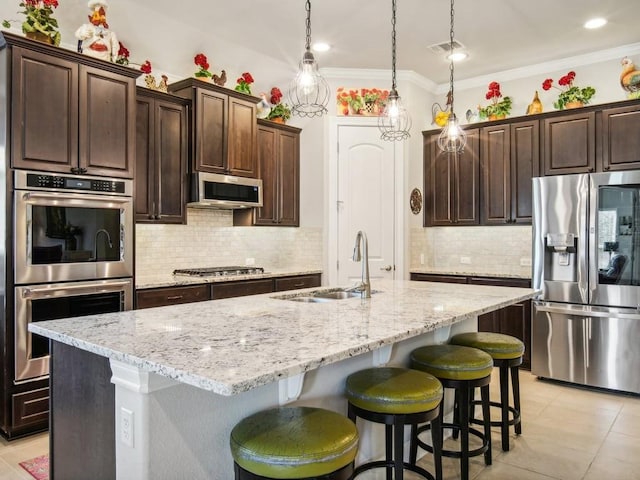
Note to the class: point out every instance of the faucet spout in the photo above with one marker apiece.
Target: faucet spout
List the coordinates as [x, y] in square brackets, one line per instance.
[109, 242]
[363, 256]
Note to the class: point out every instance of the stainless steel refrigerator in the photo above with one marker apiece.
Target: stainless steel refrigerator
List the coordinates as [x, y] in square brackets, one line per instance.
[586, 262]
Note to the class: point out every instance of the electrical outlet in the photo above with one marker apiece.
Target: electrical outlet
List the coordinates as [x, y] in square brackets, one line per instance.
[465, 260]
[250, 261]
[422, 259]
[525, 262]
[126, 426]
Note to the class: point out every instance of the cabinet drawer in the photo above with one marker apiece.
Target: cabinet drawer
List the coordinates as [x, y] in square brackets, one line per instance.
[171, 296]
[293, 283]
[241, 289]
[30, 408]
[427, 277]
[501, 282]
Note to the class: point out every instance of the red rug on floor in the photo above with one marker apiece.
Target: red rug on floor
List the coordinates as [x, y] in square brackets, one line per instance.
[37, 467]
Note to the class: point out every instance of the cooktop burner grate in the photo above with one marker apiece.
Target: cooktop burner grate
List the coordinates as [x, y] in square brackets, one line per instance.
[218, 271]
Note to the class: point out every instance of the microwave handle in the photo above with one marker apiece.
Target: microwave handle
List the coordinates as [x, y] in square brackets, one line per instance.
[28, 242]
[44, 292]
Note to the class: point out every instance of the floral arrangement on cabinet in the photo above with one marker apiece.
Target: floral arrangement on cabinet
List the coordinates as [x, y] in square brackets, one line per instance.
[39, 22]
[499, 107]
[362, 101]
[244, 83]
[280, 112]
[203, 72]
[571, 96]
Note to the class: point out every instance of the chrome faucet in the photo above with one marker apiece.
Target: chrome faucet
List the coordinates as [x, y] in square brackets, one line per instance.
[365, 284]
[102, 230]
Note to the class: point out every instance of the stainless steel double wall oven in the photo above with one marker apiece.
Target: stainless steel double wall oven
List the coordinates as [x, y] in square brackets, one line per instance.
[73, 255]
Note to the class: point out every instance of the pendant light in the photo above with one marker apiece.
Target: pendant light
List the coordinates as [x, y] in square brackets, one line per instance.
[309, 91]
[394, 122]
[452, 138]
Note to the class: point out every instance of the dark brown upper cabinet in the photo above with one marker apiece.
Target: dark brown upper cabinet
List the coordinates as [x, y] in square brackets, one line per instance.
[279, 169]
[509, 159]
[162, 144]
[224, 132]
[620, 138]
[452, 182]
[70, 112]
[569, 143]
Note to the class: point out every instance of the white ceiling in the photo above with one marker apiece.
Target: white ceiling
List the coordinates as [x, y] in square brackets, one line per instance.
[498, 34]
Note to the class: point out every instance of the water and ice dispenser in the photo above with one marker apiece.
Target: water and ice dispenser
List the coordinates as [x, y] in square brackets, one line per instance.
[560, 257]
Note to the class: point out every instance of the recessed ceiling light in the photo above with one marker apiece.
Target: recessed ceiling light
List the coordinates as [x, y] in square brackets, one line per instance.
[595, 23]
[457, 56]
[321, 47]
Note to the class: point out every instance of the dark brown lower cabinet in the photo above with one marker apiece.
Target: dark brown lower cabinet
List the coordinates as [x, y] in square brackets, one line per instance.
[514, 320]
[159, 297]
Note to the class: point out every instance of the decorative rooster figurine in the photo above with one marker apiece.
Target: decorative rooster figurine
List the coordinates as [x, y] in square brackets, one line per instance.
[535, 106]
[221, 79]
[440, 115]
[630, 78]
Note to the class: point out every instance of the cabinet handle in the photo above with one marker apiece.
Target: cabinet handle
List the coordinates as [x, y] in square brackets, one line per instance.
[606, 167]
[299, 284]
[174, 297]
[591, 169]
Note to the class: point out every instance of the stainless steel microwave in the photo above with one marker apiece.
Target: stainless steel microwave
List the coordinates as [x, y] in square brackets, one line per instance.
[212, 190]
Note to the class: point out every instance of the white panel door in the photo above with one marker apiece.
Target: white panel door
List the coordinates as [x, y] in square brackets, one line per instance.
[365, 201]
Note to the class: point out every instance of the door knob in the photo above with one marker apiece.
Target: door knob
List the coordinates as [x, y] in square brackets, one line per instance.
[388, 268]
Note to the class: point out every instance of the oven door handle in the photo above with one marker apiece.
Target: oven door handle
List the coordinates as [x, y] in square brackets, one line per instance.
[74, 196]
[44, 292]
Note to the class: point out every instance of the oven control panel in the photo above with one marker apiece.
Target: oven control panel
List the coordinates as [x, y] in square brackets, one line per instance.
[77, 183]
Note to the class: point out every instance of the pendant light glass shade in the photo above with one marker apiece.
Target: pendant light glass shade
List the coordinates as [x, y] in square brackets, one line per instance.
[452, 139]
[309, 91]
[394, 122]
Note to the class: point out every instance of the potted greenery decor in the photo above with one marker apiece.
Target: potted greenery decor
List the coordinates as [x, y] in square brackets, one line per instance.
[500, 106]
[570, 95]
[39, 23]
[280, 112]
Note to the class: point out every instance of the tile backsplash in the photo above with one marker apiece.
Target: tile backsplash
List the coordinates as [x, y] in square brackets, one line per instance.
[490, 250]
[209, 239]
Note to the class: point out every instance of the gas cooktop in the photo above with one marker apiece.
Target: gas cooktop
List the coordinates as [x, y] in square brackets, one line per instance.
[218, 271]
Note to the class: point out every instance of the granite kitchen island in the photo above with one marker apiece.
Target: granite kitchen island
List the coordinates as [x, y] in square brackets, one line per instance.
[185, 375]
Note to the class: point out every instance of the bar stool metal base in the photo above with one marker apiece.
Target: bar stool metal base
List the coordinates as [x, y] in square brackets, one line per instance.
[461, 425]
[345, 473]
[394, 441]
[505, 365]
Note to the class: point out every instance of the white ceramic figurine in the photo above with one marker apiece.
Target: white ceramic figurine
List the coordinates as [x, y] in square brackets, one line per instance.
[95, 38]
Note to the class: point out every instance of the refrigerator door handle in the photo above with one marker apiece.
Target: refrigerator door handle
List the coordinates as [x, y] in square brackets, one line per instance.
[586, 313]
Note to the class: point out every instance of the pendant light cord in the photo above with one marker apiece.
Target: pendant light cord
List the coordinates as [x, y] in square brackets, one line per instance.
[308, 9]
[451, 57]
[393, 45]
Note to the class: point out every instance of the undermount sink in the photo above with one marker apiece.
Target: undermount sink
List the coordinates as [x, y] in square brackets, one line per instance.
[321, 296]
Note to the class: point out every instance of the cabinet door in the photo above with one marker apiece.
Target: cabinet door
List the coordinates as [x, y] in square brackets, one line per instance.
[620, 139]
[171, 143]
[242, 136]
[268, 172]
[525, 164]
[438, 184]
[288, 179]
[467, 181]
[145, 161]
[241, 288]
[158, 297]
[495, 165]
[210, 131]
[44, 110]
[107, 106]
[569, 144]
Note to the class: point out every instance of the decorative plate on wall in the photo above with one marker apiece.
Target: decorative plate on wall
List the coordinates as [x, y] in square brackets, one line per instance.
[415, 201]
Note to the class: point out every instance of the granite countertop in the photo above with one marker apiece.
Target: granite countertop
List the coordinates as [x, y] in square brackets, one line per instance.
[234, 345]
[169, 280]
[468, 273]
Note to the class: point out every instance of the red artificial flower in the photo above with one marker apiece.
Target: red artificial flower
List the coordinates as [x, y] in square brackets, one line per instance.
[146, 67]
[201, 61]
[494, 91]
[276, 96]
[122, 51]
[246, 76]
[546, 85]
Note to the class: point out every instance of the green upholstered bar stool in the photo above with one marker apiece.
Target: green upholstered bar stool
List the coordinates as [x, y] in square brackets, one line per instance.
[294, 443]
[462, 369]
[507, 354]
[397, 397]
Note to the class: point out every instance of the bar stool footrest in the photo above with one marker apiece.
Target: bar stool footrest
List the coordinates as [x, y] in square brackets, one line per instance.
[454, 453]
[496, 423]
[384, 464]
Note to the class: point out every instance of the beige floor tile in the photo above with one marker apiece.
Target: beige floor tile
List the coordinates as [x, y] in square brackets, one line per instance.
[627, 424]
[604, 467]
[582, 421]
[503, 471]
[584, 439]
[621, 447]
[551, 459]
